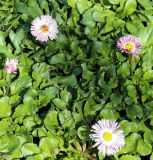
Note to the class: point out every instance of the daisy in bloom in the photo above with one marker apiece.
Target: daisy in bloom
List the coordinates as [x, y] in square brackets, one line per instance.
[11, 65]
[44, 28]
[129, 44]
[108, 138]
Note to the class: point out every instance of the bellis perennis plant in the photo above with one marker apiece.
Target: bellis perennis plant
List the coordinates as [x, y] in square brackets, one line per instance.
[129, 44]
[107, 136]
[11, 65]
[44, 28]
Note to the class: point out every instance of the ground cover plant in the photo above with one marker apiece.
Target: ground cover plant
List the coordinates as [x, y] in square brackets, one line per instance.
[88, 78]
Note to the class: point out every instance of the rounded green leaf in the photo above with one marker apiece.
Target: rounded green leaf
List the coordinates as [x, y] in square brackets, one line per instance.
[5, 108]
[30, 149]
[59, 103]
[66, 96]
[58, 58]
[124, 70]
[72, 3]
[83, 132]
[8, 143]
[134, 111]
[130, 157]
[36, 157]
[130, 6]
[47, 146]
[114, 1]
[144, 148]
[109, 113]
[131, 143]
[51, 120]
[129, 127]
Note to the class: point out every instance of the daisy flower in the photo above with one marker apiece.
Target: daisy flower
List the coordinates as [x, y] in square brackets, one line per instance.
[129, 44]
[108, 138]
[11, 65]
[44, 28]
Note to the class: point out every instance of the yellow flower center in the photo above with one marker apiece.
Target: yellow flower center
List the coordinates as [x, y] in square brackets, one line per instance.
[129, 46]
[107, 136]
[44, 28]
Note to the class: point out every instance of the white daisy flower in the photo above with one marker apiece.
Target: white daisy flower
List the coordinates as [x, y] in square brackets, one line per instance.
[11, 65]
[107, 136]
[129, 44]
[44, 28]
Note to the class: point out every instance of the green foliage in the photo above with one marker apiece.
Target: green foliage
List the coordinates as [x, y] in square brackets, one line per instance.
[64, 86]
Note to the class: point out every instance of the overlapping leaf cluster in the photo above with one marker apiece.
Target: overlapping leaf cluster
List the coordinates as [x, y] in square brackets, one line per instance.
[65, 86]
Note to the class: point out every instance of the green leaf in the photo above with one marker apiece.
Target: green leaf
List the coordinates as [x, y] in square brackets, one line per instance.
[101, 156]
[132, 28]
[132, 92]
[44, 5]
[59, 103]
[30, 149]
[137, 75]
[51, 120]
[65, 95]
[15, 154]
[24, 65]
[87, 74]
[24, 109]
[100, 16]
[21, 7]
[116, 99]
[5, 108]
[134, 111]
[151, 157]
[31, 93]
[148, 138]
[36, 157]
[8, 143]
[82, 6]
[2, 39]
[91, 107]
[148, 75]
[146, 4]
[103, 48]
[48, 145]
[42, 131]
[129, 127]
[114, 1]
[90, 31]
[68, 80]
[120, 57]
[130, 147]
[88, 19]
[66, 119]
[83, 133]
[130, 6]
[130, 157]
[144, 148]
[19, 84]
[146, 35]
[17, 38]
[47, 95]
[3, 48]
[29, 122]
[40, 73]
[109, 112]
[34, 9]
[58, 58]
[124, 70]
[5, 123]
[72, 3]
